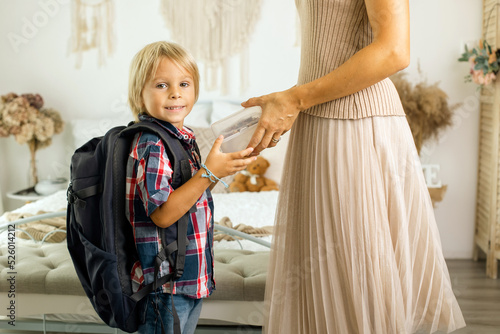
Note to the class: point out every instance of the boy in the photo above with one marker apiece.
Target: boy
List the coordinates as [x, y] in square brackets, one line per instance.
[163, 87]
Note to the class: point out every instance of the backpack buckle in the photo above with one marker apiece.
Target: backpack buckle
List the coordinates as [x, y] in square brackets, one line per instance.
[73, 199]
[70, 195]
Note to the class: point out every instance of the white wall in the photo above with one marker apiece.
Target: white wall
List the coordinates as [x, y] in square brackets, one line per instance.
[43, 65]
[439, 29]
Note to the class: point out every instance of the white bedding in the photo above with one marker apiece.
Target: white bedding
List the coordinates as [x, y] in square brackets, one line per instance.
[254, 209]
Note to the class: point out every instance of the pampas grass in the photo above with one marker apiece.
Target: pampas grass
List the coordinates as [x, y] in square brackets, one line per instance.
[426, 107]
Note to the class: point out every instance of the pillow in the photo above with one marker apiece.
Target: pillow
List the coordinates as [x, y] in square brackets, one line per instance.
[221, 109]
[204, 139]
[199, 115]
[85, 129]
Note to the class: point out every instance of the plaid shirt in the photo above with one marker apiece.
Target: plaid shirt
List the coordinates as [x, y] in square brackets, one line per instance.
[149, 179]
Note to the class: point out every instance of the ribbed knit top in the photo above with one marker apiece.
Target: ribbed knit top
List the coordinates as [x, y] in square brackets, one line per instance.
[332, 31]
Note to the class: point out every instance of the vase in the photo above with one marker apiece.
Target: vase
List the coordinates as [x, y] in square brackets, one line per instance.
[33, 174]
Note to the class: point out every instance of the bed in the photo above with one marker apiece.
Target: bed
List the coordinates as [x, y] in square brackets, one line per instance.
[42, 290]
[48, 293]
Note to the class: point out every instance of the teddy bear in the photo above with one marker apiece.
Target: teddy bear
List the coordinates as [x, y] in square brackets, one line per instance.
[252, 178]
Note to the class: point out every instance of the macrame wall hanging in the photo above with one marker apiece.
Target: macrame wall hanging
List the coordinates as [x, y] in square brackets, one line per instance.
[214, 31]
[92, 29]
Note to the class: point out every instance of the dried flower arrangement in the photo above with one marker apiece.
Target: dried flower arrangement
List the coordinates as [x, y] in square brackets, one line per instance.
[25, 118]
[426, 107]
[428, 113]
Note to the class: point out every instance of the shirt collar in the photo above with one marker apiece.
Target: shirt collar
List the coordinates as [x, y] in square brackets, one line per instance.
[185, 135]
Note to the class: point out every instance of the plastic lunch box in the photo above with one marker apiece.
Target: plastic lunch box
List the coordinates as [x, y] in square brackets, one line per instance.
[237, 128]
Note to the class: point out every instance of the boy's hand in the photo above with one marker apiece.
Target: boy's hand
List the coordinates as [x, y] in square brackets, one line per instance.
[224, 164]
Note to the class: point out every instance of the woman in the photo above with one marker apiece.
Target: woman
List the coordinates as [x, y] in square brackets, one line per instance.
[356, 247]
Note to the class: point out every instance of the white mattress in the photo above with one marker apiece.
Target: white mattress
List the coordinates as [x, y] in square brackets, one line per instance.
[256, 209]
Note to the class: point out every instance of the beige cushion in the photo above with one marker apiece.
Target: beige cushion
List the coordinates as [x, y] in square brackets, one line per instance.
[45, 270]
[240, 275]
[48, 269]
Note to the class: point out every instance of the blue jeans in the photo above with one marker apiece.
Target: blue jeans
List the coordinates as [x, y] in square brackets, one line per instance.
[188, 310]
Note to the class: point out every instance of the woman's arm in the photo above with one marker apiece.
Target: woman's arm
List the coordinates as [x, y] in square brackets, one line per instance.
[387, 54]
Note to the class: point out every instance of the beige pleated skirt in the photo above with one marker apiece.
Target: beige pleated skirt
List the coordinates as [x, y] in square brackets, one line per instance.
[356, 247]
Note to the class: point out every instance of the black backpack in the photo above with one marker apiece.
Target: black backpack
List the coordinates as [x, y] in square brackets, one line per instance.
[99, 235]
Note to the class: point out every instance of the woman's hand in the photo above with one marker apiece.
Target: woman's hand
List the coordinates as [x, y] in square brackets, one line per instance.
[279, 111]
[225, 164]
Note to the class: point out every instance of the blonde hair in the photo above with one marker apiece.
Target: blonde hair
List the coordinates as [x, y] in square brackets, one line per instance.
[145, 64]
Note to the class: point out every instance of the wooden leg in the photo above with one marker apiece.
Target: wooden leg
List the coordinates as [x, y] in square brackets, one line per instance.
[491, 265]
[478, 253]
[475, 252]
[494, 268]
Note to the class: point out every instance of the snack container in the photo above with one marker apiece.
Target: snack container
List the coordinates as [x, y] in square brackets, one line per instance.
[237, 128]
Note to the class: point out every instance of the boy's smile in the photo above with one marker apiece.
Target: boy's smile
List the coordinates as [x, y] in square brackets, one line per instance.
[169, 95]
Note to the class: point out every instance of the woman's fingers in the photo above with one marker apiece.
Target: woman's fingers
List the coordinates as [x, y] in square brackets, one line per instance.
[262, 136]
[275, 139]
[270, 139]
[263, 139]
[266, 140]
[257, 136]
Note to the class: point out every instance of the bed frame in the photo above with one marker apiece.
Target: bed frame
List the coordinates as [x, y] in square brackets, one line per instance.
[237, 306]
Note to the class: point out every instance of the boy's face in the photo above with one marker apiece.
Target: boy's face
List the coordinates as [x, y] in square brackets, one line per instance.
[169, 94]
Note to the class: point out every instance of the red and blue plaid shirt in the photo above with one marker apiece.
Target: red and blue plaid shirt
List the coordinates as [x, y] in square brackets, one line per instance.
[149, 183]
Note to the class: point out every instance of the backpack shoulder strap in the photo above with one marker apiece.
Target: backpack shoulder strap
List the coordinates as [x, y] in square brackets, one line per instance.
[182, 173]
[177, 154]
